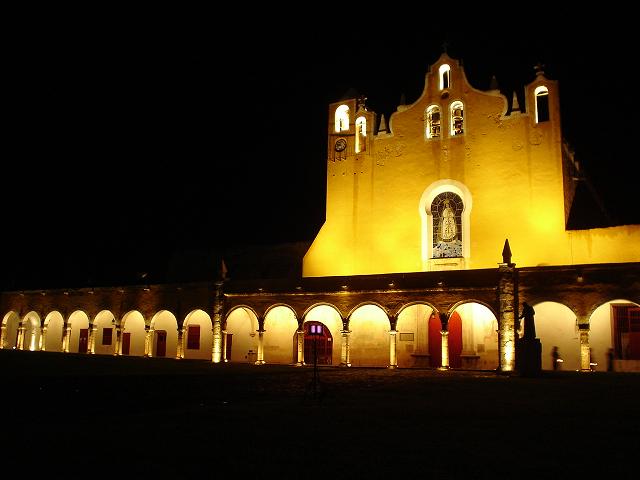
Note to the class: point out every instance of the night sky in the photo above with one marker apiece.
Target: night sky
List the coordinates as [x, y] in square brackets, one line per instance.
[131, 144]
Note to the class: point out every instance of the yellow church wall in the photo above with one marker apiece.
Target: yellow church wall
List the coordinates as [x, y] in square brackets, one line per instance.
[510, 166]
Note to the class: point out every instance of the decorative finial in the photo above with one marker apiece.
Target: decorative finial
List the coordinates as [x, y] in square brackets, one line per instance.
[361, 102]
[539, 68]
[445, 46]
[493, 84]
[383, 125]
[506, 252]
[515, 106]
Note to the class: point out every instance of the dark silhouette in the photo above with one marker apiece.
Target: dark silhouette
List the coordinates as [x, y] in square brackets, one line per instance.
[529, 325]
[610, 356]
[557, 360]
[528, 348]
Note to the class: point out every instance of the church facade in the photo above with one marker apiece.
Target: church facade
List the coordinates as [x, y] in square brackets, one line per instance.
[438, 229]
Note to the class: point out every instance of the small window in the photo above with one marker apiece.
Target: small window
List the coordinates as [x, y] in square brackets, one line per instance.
[361, 134]
[542, 104]
[433, 121]
[445, 76]
[193, 337]
[342, 118]
[107, 336]
[457, 118]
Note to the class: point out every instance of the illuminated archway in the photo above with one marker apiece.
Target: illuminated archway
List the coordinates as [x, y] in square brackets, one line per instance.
[133, 334]
[556, 326]
[412, 326]
[105, 333]
[280, 324]
[78, 332]
[330, 317]
[10, 322]
[369, 339]
[31, 332]
[52, 337]
[198, 335]
[479, 346]
[241, 335]
[165, 335]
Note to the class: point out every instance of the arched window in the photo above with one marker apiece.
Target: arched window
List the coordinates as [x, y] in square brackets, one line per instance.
[445, 76]
[433, 121]
[342, 118]
[361, 134]
[446, 210]
[457, 118]
[542, 104]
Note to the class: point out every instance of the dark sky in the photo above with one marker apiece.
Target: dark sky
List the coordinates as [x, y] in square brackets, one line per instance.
[131, 143]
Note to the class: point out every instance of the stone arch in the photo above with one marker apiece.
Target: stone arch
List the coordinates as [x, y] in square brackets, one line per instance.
[31, 325]
[133, 334]
[10, 324]
[165, 335]
[412, 338]
[604, 334]
[331, 318]
[280, 324]
[556, 326]
[369, 338]
[241, 335]
[104, 325]
[198, 335]
[479, 335]
[78, 332]
[54, 334]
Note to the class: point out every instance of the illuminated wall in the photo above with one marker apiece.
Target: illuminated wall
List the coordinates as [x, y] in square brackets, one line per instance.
[506, 168]
[369, 339]
[280, 326]
[242, 333]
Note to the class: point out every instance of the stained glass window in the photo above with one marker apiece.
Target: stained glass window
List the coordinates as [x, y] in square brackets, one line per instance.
[446, 209]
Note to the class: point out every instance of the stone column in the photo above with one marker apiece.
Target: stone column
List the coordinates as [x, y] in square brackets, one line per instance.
[43, 339]
[345, 358]
[92, 339]
[393, 358]
[260, 359]
[224, 346]
[66, 337]
[216, 347]
[148, 341]
[118, 340]
[445, 350]
[585, 350]
[20, 345]
[507, 293]
[180, 349]
[3, 335]
[300, 334]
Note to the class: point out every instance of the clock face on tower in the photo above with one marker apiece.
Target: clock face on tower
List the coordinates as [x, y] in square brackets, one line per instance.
[341, 144]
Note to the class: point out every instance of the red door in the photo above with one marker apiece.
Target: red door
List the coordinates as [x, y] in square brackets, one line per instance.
[435, 341]
[126, 343]
[83, 341]
[321, 344]
[455, 340]
[161, 343]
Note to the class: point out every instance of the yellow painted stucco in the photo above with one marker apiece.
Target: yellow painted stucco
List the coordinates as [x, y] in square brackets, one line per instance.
[507, 168]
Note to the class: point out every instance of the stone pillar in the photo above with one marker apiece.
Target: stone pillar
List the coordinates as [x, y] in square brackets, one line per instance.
[585, 350]
[66, 337]
[445, 350]
[20, 342]
[180, 349]
[3, 335]
[118, 341]
[507, 293]
[300, 350]
[393, 358]
[148, 341]
[224, 346]
[218, 304]
[345, 358]
[43, 340]
[92, 339]
[260, 359]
